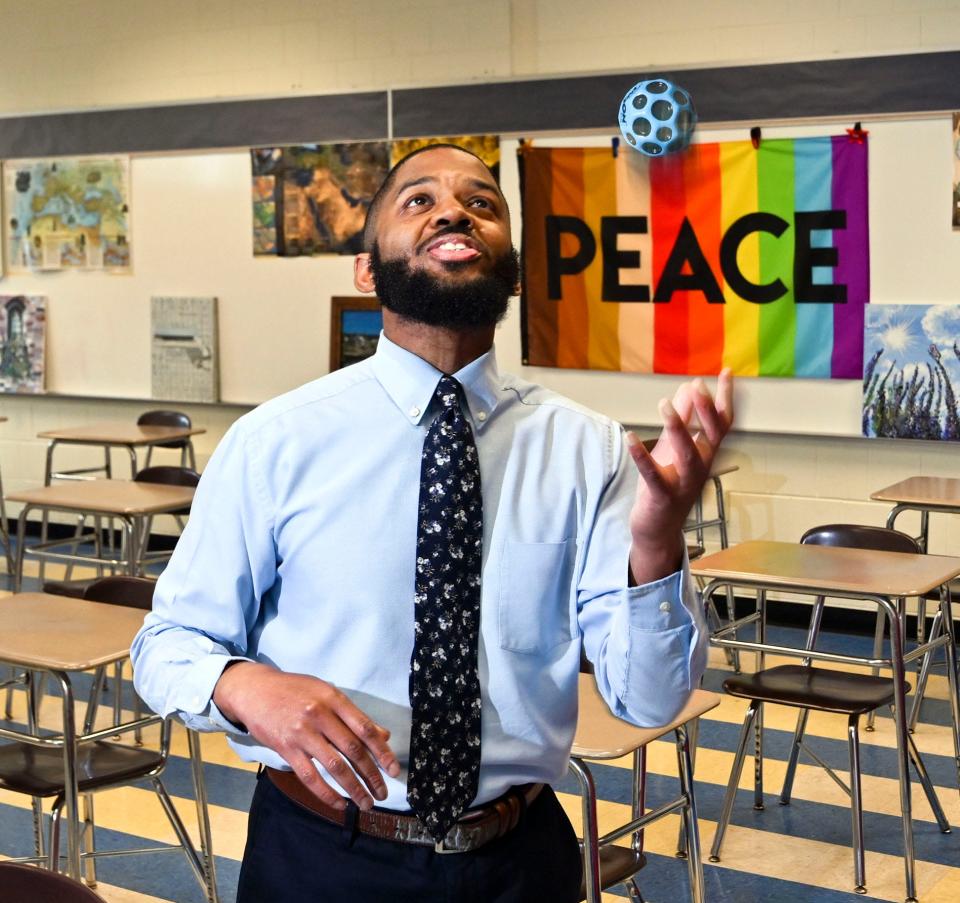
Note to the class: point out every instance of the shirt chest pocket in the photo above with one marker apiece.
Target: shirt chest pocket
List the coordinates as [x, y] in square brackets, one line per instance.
[536, 611]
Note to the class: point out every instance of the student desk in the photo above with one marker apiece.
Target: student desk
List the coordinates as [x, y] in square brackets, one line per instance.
[127, 501]
[109, 435]
[926, 495]
[923, 494]
[58, 635]
[603, 737]
[884, 578]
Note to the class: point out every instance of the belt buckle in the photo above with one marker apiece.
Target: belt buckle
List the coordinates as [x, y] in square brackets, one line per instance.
[442, 850]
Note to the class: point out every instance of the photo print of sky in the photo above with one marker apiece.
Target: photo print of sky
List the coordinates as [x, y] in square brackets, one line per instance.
[911, 371]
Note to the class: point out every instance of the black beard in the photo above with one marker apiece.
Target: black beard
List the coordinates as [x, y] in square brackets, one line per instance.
[417, 295]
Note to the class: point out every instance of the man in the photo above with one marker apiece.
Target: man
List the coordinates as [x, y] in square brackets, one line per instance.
[387, 573]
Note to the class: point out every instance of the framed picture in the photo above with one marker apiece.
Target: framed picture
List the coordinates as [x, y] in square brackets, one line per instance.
[355, 324]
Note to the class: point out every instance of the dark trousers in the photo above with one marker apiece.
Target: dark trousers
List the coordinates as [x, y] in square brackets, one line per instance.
[295, 856]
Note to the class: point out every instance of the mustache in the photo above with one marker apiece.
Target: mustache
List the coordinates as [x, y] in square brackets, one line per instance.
[452, 229]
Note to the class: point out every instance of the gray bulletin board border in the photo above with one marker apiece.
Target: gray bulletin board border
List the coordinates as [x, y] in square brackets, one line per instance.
[235, 123]
[909, 83]
[854, 87]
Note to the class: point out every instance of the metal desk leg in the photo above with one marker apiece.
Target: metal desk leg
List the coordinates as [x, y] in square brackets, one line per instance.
[877, 653]
[133, 461]
[903, 758]
[758, 724]
[21, 539]
[203, 815]
[128, 544]
[734, 782]
[935, 629]
[685, 767]
[693, 732]
[591, 850]
[951, 655]
[70, 794]
[29, 683]
[721, 511]
[45, 518]
[5, 532]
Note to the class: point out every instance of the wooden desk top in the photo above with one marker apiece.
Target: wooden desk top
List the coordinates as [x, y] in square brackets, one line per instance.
[827, 569]
[943, 491]
[38, 630]
[601, 735]
[118, 497]
[120, 434]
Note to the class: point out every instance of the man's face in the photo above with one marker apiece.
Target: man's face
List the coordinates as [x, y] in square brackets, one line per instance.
[442, 251]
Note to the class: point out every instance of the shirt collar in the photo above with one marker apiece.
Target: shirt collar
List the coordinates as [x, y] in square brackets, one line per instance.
[410, 381]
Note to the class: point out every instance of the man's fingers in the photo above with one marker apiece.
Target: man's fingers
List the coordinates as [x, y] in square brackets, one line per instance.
[373, 736]
[646, 466]
[725, 395]
[355, 752]
[710, 418]
[328, 753]
[686, 454]
[307, 772]
[683, 401]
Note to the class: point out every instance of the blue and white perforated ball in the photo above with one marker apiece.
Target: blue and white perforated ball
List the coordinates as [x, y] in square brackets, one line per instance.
[657, 117]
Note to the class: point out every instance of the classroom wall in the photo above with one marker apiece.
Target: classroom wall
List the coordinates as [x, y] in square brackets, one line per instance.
[70, 55]
[77, 54]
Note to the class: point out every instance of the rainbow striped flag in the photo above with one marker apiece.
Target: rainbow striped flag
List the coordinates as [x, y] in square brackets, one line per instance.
[724, 255]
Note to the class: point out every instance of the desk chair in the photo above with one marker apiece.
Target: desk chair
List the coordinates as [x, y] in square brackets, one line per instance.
[27, 884]
[102, 764]
[885, 539]
[170, 418]
[168, 475]
[824, 690]
[133, 592]
[602, 737]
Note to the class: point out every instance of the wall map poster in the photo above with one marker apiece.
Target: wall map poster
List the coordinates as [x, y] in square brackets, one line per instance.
[313, 198]
[23, 321]
[62, 214]
[911, 371]
[184, 349]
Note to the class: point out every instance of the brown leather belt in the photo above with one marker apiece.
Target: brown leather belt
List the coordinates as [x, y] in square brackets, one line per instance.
[475, 828]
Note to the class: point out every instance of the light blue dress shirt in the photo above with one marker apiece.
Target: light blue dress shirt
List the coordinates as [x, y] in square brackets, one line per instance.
[301, 546]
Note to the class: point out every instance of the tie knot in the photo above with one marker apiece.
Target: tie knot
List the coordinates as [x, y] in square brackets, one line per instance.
[447, 392]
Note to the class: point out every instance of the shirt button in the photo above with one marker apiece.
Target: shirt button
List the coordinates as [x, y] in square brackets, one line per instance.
[481, 416]
[664, 606]
[414, 411]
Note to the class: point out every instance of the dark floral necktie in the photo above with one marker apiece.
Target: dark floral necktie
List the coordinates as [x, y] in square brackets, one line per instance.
[444, 685]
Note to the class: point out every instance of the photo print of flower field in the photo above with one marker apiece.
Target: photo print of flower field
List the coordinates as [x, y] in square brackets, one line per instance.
[911, 371]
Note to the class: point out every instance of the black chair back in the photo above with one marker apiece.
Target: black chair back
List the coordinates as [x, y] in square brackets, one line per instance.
[169, 475]
[166, 418]
[134, 592]
[861, 536]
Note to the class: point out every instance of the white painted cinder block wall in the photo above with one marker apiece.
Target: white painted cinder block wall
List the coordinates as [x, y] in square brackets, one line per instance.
[64, 55]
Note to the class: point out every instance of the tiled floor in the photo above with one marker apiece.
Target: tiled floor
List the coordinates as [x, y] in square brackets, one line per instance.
[796, 853]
